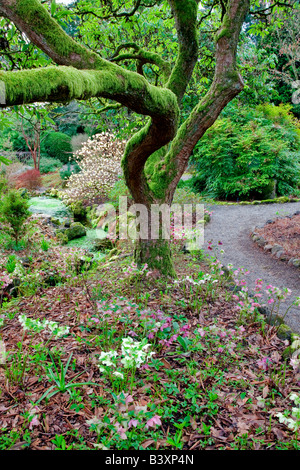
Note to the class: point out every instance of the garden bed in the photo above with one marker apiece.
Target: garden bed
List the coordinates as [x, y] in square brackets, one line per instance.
[217, 377]
[281, 237]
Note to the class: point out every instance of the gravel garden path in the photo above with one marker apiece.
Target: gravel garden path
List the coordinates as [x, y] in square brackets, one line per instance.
[232, 225]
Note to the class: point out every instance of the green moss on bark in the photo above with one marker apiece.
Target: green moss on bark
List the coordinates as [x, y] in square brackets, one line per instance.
[34, 15]
[65, 83]
[159, 172]
[157, 254]
[186, 24]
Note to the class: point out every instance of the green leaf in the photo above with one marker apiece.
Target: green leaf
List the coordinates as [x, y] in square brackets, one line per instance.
[4, 160]
[53, 7]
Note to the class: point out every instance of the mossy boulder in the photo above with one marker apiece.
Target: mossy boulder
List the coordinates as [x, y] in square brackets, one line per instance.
[283, 199]
[62, 237]
[284, 332]
[55, 221]
[102, 244]
[268, 201]
[78, 210]
[76, 230]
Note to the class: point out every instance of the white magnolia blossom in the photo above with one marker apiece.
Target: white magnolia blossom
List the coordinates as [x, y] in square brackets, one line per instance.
[100, 162]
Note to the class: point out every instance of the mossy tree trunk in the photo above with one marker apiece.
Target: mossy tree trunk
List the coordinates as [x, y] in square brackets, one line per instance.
[157, 255]
[158, 185]
[81, 74]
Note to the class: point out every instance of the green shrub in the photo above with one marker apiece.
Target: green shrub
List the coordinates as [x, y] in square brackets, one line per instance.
[184, 195]
[65, 174]
[58, 146]
[249, 153]
[118, 189]
[3, 184]
[14, 213]
[74, 169]
[48, 164]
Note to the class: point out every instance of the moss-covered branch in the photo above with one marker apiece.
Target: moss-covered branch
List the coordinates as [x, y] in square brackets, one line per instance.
[146, 57]
[185, 14]
[33, 19]
[60, 83]
[226, 84]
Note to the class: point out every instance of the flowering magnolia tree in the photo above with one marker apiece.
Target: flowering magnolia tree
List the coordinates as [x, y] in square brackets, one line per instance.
[155, 157]
[100, 162]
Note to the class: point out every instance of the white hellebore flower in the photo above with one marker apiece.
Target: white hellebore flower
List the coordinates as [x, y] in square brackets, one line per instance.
[106, 358]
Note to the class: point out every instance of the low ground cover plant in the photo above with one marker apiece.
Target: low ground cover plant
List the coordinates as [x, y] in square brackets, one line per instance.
[185, 365]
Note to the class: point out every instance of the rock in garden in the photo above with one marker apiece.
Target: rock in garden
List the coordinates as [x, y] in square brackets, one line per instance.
[76, 230]
[276, 248]
[268, 247]
[102, 244]
[261, 241]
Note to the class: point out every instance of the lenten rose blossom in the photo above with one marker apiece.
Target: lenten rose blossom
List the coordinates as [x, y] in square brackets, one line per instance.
[264, 363]
[118, 374]
[120, 430]
[152, 422]
[133, 422]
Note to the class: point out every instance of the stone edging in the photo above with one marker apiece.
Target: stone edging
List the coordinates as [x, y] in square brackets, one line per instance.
[284, 331]
[275, 249]
[277, 200]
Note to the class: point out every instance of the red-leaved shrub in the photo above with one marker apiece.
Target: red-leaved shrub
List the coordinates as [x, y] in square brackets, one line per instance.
[31, 179]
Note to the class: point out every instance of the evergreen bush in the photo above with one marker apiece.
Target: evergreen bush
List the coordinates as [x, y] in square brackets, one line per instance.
[14, 213]
[58, 145]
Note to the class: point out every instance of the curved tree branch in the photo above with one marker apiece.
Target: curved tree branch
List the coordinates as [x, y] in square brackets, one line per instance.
[32, 18]
[61, 83]
[185, 14]
[265, 12]
[227, 83]
[147, 58]
[114, 13]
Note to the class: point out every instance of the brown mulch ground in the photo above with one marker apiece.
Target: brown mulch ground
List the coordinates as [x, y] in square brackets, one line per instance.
[241, 386]
[284, 232]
